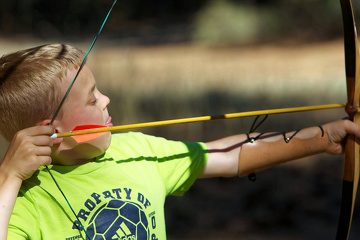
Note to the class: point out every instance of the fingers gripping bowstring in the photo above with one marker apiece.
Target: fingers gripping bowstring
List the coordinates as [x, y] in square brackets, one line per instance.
[62, 102]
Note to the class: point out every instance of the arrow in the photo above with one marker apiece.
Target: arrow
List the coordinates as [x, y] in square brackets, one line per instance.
[94, 131]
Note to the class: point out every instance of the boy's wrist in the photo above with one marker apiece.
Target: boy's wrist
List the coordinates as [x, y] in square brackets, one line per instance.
[8, 177]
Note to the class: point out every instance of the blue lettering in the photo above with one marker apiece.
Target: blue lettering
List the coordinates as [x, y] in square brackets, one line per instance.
[147, 203]
[76, 225]
[83, 214]
[90, 204]
[144, 201]
[153, 222]
[141, 198]
[96, 197]
[128, 192]
[117, 191]
[107, 194]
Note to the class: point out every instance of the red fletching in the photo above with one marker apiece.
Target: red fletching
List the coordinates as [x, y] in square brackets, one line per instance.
[86, 127]
[88, 136]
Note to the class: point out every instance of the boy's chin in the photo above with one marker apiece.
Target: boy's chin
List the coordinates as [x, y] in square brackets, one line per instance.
[94, 148]
[80, 153]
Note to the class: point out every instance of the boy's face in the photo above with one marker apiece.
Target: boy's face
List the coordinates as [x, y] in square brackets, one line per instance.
[84, 105]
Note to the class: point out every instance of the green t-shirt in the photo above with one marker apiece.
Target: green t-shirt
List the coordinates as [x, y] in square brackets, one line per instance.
[119, 196]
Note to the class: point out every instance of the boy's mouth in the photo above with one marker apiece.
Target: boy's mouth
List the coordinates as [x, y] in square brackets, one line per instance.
[108, 122]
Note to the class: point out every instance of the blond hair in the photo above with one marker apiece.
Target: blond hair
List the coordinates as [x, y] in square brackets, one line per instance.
[29, 84]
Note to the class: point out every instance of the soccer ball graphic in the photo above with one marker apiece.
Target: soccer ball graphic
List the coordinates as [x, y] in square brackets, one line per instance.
[119, 220]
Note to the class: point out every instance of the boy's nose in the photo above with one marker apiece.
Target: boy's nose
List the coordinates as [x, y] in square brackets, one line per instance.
[106, 101]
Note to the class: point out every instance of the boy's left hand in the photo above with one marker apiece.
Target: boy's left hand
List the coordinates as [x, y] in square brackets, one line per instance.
[337, 132]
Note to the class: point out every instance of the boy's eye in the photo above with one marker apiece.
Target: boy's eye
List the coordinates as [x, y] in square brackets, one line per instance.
[94, 100]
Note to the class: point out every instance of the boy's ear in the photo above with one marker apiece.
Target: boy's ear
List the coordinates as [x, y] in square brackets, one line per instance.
[56, 130]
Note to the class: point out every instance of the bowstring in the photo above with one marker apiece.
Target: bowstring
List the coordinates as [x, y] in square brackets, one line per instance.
[67, 201]
[82, 64]
[62, 102]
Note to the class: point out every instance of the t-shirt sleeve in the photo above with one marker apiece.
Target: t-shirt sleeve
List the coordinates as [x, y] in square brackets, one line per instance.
[181, 164]
[178, 163]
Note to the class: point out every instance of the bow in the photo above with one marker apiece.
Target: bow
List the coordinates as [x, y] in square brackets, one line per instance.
[352, 148]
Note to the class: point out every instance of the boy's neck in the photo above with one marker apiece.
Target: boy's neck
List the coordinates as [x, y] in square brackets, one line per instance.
[71, 162]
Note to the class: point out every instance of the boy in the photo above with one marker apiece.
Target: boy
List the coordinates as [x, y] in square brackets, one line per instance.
[116, 184]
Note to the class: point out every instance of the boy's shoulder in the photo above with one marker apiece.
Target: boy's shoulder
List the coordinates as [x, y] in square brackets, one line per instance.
[132, 143]
[137, 143]
[128, 139]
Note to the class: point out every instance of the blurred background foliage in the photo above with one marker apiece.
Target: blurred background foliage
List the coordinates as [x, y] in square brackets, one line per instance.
[165, 59]
[156, 21]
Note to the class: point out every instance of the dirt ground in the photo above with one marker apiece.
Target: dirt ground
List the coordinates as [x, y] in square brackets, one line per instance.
[293, 201]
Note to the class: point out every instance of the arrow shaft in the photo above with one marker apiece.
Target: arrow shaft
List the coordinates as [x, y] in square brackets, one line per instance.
[200, 119]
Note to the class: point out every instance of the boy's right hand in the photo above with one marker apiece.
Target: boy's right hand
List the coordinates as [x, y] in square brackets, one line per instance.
[29, 149]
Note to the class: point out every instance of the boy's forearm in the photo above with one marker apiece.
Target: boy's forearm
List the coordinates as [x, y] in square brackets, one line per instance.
[9, 188]
[236, 155]
[275, 148]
